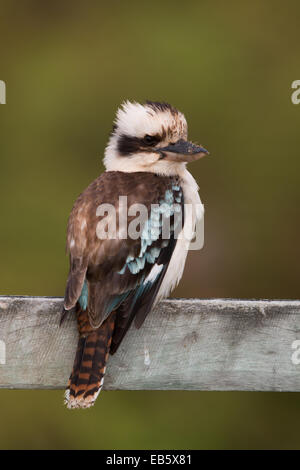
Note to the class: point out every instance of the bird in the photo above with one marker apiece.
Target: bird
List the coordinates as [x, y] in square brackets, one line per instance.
[116, 280]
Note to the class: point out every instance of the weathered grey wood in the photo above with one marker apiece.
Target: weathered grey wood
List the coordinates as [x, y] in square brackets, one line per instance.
[185, 344]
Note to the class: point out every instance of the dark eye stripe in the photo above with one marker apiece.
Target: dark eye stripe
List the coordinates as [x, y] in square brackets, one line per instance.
[128, 145]
[151, 139]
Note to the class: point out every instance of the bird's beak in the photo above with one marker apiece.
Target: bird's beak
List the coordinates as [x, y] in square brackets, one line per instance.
[182, 151]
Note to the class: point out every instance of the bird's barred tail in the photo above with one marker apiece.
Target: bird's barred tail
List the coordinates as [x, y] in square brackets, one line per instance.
[87, 376]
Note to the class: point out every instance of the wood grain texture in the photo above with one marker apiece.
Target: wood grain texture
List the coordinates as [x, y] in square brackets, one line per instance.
[185, 344]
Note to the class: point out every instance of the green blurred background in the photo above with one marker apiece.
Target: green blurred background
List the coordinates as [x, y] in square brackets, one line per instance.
[229, 67]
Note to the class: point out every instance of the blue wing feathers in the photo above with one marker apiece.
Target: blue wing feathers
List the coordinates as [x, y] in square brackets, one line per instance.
[151, 232]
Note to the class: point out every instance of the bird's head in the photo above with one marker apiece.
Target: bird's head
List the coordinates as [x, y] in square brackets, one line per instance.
[150, 137]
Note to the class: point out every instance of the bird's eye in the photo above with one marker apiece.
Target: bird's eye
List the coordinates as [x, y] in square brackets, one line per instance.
[149, 140]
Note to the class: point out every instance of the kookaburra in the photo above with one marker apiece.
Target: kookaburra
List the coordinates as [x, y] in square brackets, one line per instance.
[117, 279]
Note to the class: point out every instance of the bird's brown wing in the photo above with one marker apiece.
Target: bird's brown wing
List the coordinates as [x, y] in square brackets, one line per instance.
[99, 261]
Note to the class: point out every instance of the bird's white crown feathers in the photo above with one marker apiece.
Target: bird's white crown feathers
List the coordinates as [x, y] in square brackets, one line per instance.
[137, 119]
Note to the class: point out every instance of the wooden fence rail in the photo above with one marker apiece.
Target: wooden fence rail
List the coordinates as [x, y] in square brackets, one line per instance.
[185, 344]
